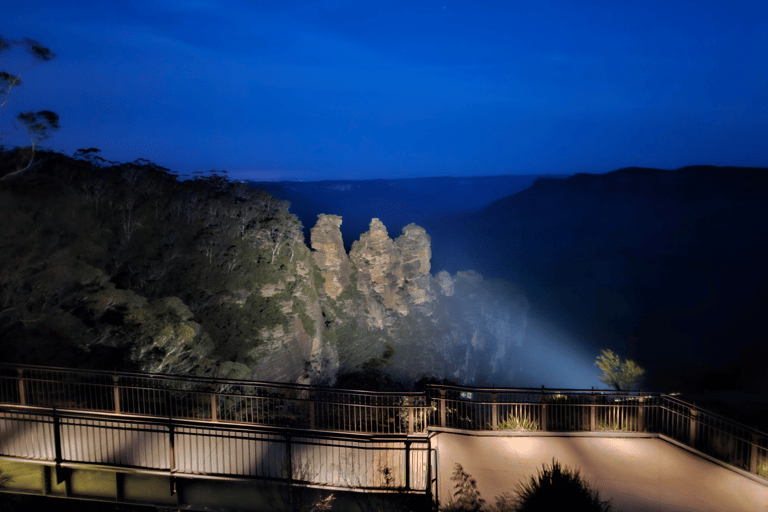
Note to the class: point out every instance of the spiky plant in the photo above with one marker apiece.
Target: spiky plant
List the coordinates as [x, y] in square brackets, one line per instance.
[555, 487]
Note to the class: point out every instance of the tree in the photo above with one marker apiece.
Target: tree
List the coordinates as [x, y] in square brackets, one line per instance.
[39, 125]
[39, 53]
[617, 374]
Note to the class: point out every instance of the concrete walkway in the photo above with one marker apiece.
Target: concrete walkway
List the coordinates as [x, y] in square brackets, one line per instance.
[637, 474]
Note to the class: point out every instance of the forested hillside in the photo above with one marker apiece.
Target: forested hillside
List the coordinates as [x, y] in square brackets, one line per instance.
[125, 266]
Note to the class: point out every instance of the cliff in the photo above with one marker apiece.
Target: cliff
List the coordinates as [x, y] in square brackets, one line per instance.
[381, 299]
[125, 266]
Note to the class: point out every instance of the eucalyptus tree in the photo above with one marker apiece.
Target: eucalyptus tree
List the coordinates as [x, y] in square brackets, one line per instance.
[39, 125]
[621, 375]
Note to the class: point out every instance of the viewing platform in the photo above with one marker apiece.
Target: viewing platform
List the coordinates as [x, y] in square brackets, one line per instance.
[197, 443]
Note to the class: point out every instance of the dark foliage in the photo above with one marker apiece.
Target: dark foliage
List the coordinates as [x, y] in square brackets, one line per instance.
[556, 487]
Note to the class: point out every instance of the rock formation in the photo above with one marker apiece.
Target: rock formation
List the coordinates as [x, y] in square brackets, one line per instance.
[396, 272]
[330, 256]
[415, 255]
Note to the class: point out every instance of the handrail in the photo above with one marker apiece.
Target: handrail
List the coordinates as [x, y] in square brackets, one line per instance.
[479, 389]
[694, 407]
[179, 446]
[319, 408]
[167, 378]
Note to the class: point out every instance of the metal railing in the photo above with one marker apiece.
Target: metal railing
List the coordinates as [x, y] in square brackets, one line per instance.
[540, 409]
[328, 409]
[531, 410]
[184, 447]
[222, 400]
[714, 435]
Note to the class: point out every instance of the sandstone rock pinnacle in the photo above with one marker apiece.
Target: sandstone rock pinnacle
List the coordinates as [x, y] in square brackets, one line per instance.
[330, 255]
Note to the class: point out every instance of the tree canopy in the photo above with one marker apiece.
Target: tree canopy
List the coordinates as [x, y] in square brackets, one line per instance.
[621, 375]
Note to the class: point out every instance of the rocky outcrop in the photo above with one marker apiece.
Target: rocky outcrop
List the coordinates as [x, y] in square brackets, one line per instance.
[446, 283]
[415, 255]
[394, 272]
[330, 256]
[379, 269]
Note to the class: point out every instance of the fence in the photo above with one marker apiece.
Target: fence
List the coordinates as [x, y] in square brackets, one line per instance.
[327, 409]
[219, 400]
[719, 437]
[600, 411]
[541, 410]
[195, 448]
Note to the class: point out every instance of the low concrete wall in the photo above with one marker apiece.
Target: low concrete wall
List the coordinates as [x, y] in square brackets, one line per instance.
[638, 473]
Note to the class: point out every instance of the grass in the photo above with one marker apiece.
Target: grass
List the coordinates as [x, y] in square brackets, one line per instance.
[762, 469]
[614, 425]
[515, 422]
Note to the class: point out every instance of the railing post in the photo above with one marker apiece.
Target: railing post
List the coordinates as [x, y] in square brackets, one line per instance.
[22, 387]
[641, 414]
[407, 465]
[288, 459]
[214, 408]
[311, 414]
[692, 429]
[60, 476]
[430, 494]
[753, 454]
[544, 417]
[494, 412]
[592, 414]
[116, 392]
[171, 456]
[410, 420]
[442, 407]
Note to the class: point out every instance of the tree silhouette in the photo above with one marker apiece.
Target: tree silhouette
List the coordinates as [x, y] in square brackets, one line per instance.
[39, 125]
[38, 52]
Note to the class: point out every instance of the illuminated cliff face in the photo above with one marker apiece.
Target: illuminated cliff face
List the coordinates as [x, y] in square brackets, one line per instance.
[459, 327]
[210, 277]
[390, 274]
[393, 272]
[330, 256]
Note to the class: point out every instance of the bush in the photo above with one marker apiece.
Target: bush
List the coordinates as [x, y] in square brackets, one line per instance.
[466, 497]
[554, 488]
[515, 422]
[558, 488]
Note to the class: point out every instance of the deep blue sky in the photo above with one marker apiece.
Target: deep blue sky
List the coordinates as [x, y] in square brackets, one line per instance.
[340, 90]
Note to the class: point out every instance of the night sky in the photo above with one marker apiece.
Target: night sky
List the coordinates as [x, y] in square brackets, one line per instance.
[357, 90]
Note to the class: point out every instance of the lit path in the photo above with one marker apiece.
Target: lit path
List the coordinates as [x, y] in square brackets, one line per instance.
[638, 474]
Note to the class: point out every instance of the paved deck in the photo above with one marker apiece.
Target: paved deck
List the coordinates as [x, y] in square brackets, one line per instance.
[637, 474]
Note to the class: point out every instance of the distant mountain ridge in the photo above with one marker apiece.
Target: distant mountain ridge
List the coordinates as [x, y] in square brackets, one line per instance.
[397, 202]
[666, 266]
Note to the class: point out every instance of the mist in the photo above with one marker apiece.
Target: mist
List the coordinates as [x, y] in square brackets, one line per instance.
[664, 267]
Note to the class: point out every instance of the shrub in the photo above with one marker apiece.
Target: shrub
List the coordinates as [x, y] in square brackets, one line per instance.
[515, 422]
[466, 497]
[558, 488]
[762, 469]
[611, 425]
